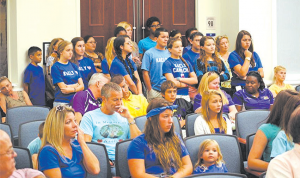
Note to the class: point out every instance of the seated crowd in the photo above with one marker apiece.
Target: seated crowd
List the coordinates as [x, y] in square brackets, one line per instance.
[96, 98]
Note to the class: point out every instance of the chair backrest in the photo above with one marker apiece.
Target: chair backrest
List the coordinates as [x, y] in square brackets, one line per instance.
[141, 121]
[18, 115]
[23, 159]
[28, 131]
[100, 152]
[297, 88]
[229, 146]
[218, 175]
[121, 163]
[247, 122]
[6, 128]
[190, 122]
[249, 142]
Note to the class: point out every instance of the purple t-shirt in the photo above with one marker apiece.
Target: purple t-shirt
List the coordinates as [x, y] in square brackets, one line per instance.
[198, 99]
[264, 100]
[85, 101]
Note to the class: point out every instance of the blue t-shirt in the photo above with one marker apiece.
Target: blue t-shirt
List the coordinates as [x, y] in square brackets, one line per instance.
[34, 146]
[87, 69]
[106, 129]
[270, 132]
[264, 100]
[67, 73]
[198, 99]
[234, 59]
[281, 144]
[117, 67]
[49, 158]
[104, 66]
[211, 169]
[146, 44]
[212, 67]
[191, 56]
[139, 149]
[185, 49]
[178, 69]
[152, 62]
[34, 77]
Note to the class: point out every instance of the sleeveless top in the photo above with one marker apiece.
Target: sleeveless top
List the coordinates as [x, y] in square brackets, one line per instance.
[10, 102]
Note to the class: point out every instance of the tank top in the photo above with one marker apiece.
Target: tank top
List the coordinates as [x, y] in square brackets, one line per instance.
[10, 102]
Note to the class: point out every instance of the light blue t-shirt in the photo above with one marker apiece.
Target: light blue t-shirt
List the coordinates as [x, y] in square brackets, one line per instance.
[152, 62]
[281, 144]
[178, 69]
[87, 69]
[146, 44]
[105, 129]
[34, 146]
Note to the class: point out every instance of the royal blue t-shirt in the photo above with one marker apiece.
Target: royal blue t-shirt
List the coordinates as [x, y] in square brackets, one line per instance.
[191, 56]
[198, 99]
[117, 67]
[234, 59]
[152, 62]
[139, 149]
[211, 169]
[34, 77]
[185, 49]
[67, 73]
[146, 44]
[104, 66]
[264, 100]
[49, 158]
[87, 69]
[178, 69]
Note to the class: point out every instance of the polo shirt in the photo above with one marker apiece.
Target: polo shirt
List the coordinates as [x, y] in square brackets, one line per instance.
[146, 44]
[85, 101]
[136, 104]
[264, 100]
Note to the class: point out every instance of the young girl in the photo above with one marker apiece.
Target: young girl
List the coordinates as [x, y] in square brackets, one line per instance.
[210, 158]
[209, 61]
[178, 70]
[211, 120]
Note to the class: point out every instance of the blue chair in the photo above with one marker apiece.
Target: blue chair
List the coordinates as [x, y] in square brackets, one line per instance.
[229, 146]
[6, 128]
[297, 88]
[121, 163]
[18, 115]
[141, 121]
[218, 175]
[100, 152]
[249, 142]
[23, 159]
[28, 131]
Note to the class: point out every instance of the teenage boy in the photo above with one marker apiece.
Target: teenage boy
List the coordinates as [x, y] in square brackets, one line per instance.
[152, 24]
[194, 53]
[34, 81]
[169, 92]
[152, 64]
[188, 33]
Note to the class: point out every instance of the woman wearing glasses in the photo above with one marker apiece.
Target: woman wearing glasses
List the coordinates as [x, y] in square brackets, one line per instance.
[90, 47]
[123, 65]
[62, 154]
[243, 59]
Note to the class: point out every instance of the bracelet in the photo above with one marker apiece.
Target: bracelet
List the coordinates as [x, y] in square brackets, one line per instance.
[131, 123]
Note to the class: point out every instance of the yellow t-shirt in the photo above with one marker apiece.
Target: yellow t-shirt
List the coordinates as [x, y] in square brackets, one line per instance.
[136, 104]
[275, 89]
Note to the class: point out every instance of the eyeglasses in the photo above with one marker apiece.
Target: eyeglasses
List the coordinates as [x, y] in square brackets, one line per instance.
[92, 42]
[10, 152]
[155, 26]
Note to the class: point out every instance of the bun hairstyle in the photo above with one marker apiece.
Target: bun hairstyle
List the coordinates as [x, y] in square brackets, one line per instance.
[240, 50]
[118, 42]
[170, 43]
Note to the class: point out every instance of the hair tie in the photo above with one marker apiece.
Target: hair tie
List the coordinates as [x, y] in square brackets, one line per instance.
[157, 111]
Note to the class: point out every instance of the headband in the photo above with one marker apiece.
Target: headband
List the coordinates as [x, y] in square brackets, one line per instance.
[157, 111]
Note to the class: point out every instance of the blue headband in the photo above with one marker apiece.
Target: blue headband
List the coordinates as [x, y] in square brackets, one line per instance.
[157, 111]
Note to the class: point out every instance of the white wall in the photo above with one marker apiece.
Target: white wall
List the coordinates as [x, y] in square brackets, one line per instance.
[32, 22]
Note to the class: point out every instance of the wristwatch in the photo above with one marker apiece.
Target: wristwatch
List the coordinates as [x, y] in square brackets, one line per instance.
[131, 123]
[178, 79]
[248, 58]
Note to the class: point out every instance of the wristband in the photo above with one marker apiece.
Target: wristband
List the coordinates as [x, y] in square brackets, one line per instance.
[131, 123]
[178, 79]
[248, 58]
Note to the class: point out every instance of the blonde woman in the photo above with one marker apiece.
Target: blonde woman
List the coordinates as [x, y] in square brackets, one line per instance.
[211, 120]
[159, 152]
[279, 77]
[211, 81]
[109, 56]
[61, 154]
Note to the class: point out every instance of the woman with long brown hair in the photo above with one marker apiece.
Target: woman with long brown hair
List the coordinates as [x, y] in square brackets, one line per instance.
[159, 151]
